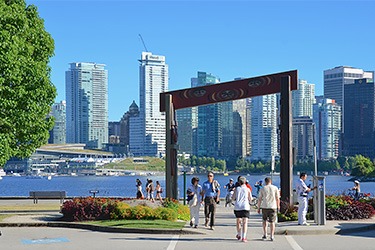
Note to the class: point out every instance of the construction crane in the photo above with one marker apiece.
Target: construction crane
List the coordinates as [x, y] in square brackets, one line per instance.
[144, 45]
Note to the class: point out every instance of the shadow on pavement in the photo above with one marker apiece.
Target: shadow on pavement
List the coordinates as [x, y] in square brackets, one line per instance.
[356, 229]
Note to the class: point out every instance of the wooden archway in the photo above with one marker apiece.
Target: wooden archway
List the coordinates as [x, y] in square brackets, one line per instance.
[283, 83]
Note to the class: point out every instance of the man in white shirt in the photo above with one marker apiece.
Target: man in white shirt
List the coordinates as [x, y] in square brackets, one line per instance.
[269, 202]
[302, 193]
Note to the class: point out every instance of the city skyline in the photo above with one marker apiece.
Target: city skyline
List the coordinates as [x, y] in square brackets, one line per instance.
[227, 39]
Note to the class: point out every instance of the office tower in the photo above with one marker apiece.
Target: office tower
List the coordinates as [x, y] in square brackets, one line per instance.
[327, 119]
[114, 128]
[335, 79]
[303, 99]
[233, 125]
[87, 104]
[303, 138]
[240, 127]
[125, 125]
[187, 121]
[149, 138]
[359, 121]
[264, 127]
[248, 127]
[58, 133]
[209, 131]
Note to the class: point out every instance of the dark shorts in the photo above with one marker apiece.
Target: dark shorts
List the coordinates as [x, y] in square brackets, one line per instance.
[242, 213]
[269, 214]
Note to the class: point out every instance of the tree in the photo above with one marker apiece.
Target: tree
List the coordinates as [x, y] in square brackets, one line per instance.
[26, 91]
[363, 166]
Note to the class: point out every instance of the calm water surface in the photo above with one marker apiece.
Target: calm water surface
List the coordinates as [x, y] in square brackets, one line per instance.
[124, 186]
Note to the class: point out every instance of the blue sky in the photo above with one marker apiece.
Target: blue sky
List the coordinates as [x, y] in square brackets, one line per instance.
[226, 38]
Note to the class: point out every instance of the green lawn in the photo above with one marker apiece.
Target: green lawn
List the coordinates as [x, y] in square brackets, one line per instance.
[158, 224]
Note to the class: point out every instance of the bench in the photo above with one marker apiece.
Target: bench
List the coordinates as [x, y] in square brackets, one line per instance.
[48, 195]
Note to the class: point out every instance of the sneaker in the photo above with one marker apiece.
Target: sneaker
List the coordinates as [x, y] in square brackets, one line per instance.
[196, 226]
[238, 237]
[306, 224]
[264, 237]
[206, 223]
[212, 228]
[272, 238]
[244, 240]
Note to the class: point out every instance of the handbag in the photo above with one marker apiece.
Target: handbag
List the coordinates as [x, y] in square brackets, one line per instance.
[194, 201]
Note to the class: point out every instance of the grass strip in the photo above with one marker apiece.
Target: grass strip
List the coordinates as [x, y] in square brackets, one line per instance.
[30, 207]
[154, 224]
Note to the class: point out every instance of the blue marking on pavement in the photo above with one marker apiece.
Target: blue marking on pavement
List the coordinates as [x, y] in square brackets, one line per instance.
[45, 241]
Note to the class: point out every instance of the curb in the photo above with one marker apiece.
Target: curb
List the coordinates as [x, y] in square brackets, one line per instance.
[101, 228]
[318, 231]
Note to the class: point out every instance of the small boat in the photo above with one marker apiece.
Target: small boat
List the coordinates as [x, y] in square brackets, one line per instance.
[49, 177]
[225, 174]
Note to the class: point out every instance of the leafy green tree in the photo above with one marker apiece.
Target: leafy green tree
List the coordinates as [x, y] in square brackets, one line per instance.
[26, 91]
[363, 166]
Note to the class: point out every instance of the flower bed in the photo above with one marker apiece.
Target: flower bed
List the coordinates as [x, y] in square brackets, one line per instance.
[89, 208]
[346, 208]
[337, 208]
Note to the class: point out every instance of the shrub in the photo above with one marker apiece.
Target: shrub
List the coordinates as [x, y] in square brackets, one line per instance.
[82, 209]
[287, 212]
[346, 208]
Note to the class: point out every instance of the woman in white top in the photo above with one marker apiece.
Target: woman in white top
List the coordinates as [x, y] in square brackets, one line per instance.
[194, 201]
[242, 197]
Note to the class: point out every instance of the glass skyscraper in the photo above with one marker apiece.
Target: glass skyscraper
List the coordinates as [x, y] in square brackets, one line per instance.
[335, 79]
[58, 133]
[359, 124]
[87, 104]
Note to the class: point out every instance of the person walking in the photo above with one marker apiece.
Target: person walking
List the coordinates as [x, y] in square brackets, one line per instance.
[159, 191]
[230, 187]
[269, 202]
[242, 197]
[194, 201]
[151, 189]
[139, 194]
[302, 192]
[211, 195]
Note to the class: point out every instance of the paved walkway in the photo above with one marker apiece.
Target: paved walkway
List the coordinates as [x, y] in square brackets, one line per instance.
[225, 223]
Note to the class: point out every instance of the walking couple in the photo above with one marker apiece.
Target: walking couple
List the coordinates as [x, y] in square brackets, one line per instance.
[209, 192]
[268, 201]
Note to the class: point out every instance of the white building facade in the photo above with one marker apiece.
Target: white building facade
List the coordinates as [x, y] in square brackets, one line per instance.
[327, 119]
[153, 80]
[87, 104]
[263, 127]
[303, 99]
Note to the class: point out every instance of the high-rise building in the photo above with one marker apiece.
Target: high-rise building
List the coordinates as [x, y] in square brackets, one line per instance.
[359, 134]
[125, 123]
[58, 133]
[335, 79]
[149, 138]
[87, 104]
[264, 127]
[327, 119]
[209, 130]
[187, 121]
[303, 99]
[303, 138]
